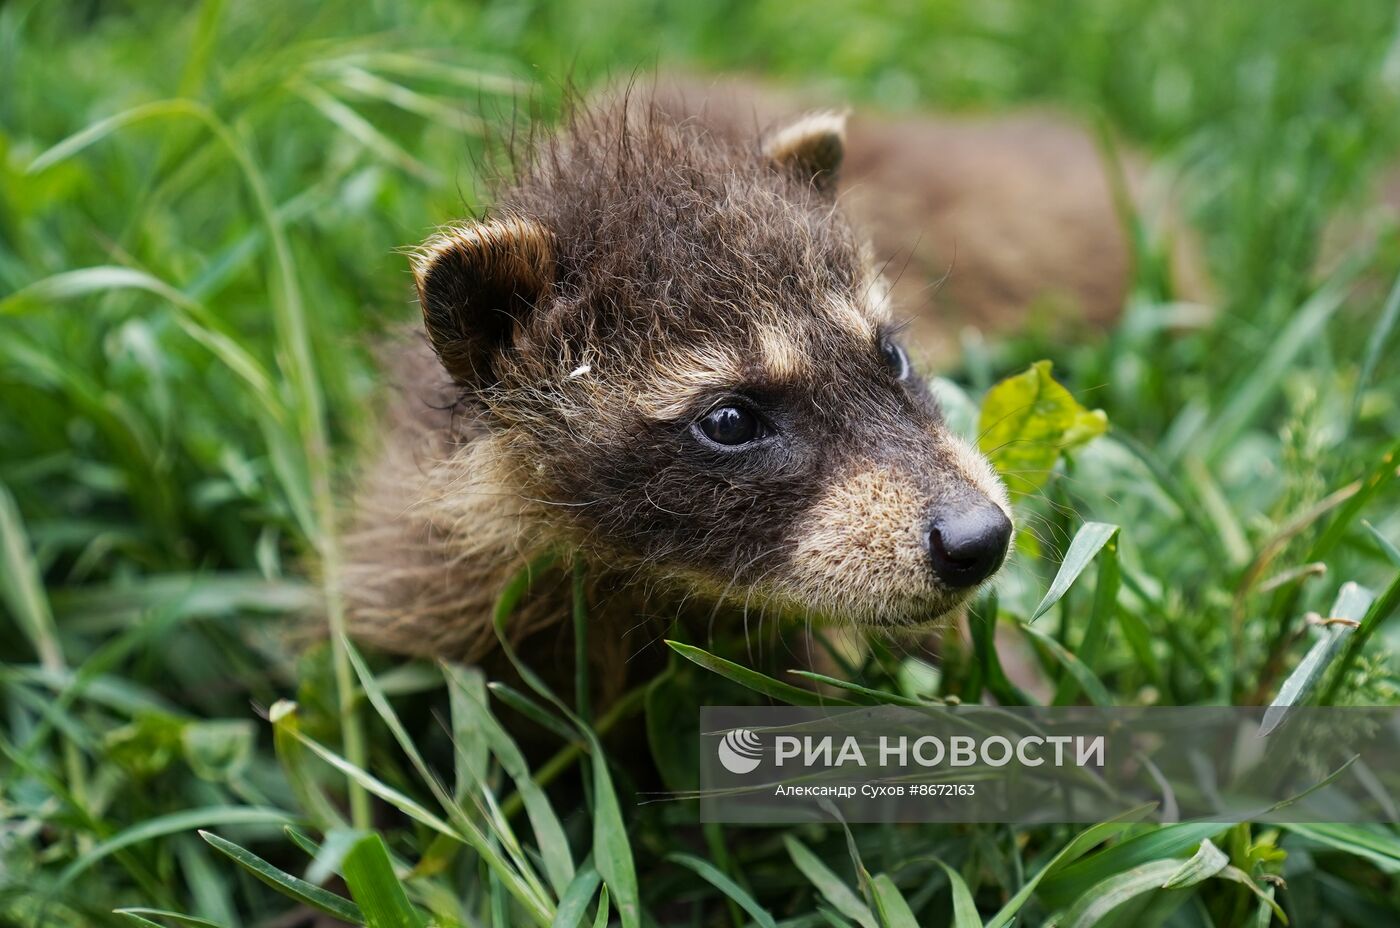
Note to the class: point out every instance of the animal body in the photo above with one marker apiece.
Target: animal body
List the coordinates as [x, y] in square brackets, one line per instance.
[667, 354]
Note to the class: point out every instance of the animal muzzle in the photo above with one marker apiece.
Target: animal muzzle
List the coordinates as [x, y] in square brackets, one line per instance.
[968, 543]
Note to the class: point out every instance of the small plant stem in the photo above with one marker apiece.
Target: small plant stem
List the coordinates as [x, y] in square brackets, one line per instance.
[581, 676]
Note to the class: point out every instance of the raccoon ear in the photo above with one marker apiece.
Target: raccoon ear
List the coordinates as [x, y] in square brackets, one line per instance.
[475, 283]
[811, 148]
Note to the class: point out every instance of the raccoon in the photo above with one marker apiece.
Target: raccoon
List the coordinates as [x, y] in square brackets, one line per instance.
[666, 355]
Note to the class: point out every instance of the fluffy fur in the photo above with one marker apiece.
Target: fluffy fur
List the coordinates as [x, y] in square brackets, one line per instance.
[643, 269]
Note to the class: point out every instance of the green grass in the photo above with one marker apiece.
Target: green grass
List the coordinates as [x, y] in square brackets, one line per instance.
[199, 208]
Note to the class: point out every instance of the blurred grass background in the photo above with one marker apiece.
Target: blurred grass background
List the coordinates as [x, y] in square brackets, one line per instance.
[199, 206]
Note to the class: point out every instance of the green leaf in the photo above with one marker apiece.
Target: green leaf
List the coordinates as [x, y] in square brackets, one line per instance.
[1077, 847]
[1391, 551]
[381, 897]
[889, 902]
[1375, 346]
[1380, 846]
[1380, 612]
[1100, 618]
[524, 880]
[1162, 842]
[573, 904]
[601, 919]
[288, 885]
[832, 888]
[1093, 687]
[1265, 897]
[866, 695]
[754, 680]
[174, 823]
[964, 908]
[1260, 386]
[1351, 603]
[291, 754]
[1204, 864]
[1028, 420]
[1087, 542]
[22, 588]
[727, 886]
[612, 849]
[532, 710]
[540, 910]
[549, 832]
[466, 686]
[1171, 876]
[981, 620]
[1095, 905]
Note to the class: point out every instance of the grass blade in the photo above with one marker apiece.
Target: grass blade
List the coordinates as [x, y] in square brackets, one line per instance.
[501, 828]
[1093, 687]
[1302, 330]
[759, 683]
[23, 588]
[539, 909]
[601, 919]
[1380, 612]
[890, 903]
[1352, 603]
[573, 904]
[1088, 541]
[549, 832]
[724, 884]
[866, 695]
[982, 621]
[832, 888]
[174, 823]
[364, 132]
[288, 885]
[532, 710]
[1204, 864]
[1385, 325]
[1077, 847]
[1265, 897]
[612, 850]
[1165, 841]
[1387, 546]
[964, 908]
[291, 754]
[370, 876]
[1381, 847]
[1100, 618]
[1095, 905]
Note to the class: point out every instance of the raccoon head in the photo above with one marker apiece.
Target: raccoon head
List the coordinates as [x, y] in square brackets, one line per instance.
[686, 355]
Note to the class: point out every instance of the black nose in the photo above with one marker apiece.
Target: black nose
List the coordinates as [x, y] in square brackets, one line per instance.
[967, 547]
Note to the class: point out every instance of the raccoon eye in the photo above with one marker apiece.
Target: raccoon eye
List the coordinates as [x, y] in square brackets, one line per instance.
[895, 358]
[731, 425]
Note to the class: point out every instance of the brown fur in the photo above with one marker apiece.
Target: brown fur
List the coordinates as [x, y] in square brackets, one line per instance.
[980, 219]
[643, 269]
